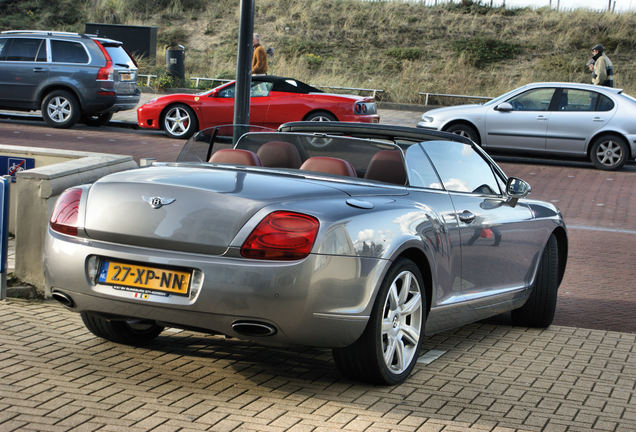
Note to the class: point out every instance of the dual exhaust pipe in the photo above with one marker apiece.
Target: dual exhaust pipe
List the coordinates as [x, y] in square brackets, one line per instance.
[242, 327]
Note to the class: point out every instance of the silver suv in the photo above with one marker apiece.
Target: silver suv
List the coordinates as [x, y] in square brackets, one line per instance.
[68, 76]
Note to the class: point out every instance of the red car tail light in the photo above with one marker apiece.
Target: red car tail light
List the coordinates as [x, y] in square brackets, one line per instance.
[106, 72]
[65, 213]
[282, 235]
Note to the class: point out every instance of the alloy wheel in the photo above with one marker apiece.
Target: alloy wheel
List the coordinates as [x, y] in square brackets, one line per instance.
[609, 153]
[401, 322]
[177, 121]
[59, 109]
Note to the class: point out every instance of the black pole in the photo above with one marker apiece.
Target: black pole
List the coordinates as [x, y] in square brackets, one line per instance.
[244, 65]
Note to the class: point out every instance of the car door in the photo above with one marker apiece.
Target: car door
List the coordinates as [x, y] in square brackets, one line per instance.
[496, 238]
[577, 116]
[218, 108]
[524, 126]
[23, 66]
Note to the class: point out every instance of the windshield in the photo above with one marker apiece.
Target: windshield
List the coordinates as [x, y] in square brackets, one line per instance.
[502, 97]
[291, 151]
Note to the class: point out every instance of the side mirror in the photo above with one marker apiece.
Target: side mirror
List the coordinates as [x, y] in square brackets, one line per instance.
[504, 107]
[213, 93]
[516, 189]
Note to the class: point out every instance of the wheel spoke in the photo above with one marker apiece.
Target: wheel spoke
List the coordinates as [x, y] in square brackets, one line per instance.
[413, 304]
[402, 359]
[411, 334]
[393, 297]
[389, 351]
[406, 286]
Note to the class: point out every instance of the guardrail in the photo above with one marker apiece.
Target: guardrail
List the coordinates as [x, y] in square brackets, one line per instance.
[451, 95]
[374, 92]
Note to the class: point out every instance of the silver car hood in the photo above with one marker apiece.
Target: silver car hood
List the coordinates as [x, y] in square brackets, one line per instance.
[462, 108]
[193, 209]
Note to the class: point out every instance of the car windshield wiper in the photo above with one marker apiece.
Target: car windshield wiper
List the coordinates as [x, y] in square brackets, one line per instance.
[123, 64]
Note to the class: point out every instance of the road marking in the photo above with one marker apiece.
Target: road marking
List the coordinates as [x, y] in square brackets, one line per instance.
[614, 230]
[430, 356]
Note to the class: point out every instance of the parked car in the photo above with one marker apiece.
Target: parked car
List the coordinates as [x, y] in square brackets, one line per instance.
[358, 237]
[68, 76]
[567, 119]
[274, 101]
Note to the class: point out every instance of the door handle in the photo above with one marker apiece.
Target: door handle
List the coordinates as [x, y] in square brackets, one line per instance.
[466, 216]
[39, 69]
[598, 119]
[540, 117]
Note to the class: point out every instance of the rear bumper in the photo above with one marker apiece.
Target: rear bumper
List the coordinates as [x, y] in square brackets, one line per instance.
[107, 101]
[373, 118]
[319, 301]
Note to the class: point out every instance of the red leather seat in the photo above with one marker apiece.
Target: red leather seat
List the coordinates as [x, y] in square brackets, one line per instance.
[387, 166]
[329, 165]
[279, 154]
[236, 156]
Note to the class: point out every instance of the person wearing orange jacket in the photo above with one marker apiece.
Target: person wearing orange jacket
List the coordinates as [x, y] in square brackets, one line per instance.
[259, 58]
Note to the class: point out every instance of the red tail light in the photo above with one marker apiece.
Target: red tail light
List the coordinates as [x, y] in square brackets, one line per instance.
[66, 211]
[105, 73]
[282, 235]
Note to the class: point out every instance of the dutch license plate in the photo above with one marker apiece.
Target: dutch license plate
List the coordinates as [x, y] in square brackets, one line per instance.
[126, 77]
[145, 279]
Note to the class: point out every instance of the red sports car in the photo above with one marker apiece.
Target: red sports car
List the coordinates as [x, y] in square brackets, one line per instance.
[274, 101]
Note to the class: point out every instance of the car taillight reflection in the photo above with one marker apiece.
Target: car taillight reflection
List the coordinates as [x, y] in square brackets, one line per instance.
[65, 213]
[282, 235]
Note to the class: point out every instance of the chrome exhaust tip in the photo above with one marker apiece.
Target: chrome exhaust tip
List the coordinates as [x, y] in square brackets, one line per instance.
[253, 328]
[65, 299]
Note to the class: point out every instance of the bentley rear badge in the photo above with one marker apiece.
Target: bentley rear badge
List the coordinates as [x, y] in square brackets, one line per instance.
[158, 202]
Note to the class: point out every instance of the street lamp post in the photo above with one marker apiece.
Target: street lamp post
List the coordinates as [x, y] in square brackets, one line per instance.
[244, 65]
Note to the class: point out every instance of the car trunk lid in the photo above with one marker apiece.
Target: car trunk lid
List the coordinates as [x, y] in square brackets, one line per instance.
[187, 209]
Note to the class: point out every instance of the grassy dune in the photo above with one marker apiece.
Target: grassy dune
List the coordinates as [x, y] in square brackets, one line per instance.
[402, 48]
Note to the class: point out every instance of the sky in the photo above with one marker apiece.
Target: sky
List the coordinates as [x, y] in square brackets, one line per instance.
[620, 5]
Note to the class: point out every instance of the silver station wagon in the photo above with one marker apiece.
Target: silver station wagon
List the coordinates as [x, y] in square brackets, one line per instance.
[360, 238]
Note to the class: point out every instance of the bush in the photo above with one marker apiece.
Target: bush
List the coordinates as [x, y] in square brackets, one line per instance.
[480, 51]
[405, 53]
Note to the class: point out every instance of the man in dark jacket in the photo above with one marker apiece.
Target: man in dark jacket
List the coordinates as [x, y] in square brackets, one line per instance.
[603, 68]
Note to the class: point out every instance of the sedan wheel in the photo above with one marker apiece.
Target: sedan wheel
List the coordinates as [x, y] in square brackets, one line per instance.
[180, 121]
[60, 109]
[321, 116]
[466, 131]
[609, 152]
[387, 350]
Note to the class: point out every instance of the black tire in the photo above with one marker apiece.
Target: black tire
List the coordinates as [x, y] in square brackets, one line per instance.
[464, 130]
[321, 116]
[364, 360]
[60, 109]
[125, 332]
[540, 306]
[609, 152]
[179, 121]
[97, 119]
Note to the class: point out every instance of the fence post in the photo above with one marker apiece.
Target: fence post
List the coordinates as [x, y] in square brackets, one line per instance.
[4, 233]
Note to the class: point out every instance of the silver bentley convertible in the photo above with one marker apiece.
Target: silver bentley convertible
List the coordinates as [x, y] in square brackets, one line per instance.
[357, 237]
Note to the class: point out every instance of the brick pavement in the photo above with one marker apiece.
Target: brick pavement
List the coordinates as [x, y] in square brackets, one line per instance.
[55, 376]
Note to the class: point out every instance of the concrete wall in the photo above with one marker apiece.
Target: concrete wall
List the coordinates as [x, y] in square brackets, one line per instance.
[35, 192]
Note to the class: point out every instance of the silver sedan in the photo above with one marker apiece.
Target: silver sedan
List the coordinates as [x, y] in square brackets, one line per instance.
[361, 238]
[566, 119]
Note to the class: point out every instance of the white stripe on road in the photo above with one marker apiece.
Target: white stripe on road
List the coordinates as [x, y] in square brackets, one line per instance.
[590, 228]
[430, 356]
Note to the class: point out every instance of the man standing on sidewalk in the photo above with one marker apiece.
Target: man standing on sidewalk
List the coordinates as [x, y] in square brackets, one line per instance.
[259, 59]
[603, 69]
